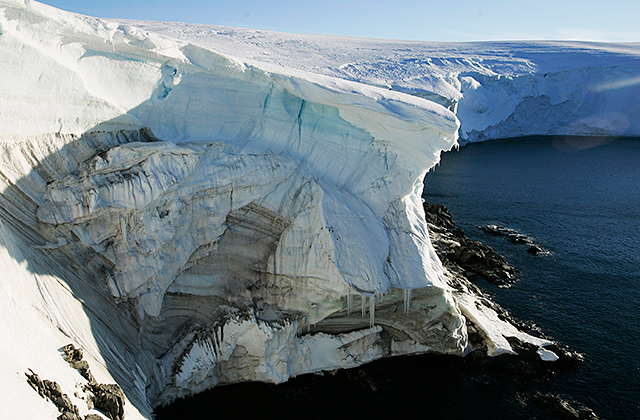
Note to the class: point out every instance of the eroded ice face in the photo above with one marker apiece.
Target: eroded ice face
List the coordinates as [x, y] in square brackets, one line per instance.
[273, 199]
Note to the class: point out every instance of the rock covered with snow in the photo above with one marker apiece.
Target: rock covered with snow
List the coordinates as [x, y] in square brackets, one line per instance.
[192, 219]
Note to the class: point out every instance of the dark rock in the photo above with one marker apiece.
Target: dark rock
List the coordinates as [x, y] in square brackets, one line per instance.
[464, 253]
[514, 237]
[74, 357]
[51, 390]
[83, 367]
[109, 399]
[68, 415]
[465, 257]
[438, 215]
[482, 260]
[518, 240]
[526, 363]
[468, 257]
[535, 250]
[72, 354]
[562, 409]
[567, 359]
[79, 364]
[587, 413]
[36, 383]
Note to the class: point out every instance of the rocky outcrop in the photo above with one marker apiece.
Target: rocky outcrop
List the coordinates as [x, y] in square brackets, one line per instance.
[73, 356]
[462, 254]
[529, 362]
[560, 408]
[107, 398]
[51, 391]
[515, 237]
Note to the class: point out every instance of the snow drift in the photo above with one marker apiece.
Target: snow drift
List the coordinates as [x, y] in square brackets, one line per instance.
[192, 219]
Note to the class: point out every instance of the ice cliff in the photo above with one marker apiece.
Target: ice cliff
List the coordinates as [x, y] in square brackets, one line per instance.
[192, 219]
[497, 89]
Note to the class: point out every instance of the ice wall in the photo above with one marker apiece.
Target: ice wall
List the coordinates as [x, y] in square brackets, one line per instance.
[207, 215]
[498, 89]
[358, 152]
[192, 219]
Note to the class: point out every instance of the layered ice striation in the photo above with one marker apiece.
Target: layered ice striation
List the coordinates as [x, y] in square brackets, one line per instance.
[192, 219]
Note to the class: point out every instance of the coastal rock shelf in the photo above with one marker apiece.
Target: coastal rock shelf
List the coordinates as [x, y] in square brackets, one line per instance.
[460, 253]
[191, 219]
[515, 237]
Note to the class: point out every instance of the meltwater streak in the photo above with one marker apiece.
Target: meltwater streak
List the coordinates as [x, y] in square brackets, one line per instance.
[580, 199]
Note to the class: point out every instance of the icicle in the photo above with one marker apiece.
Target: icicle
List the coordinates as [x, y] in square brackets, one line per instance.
[363, 304]
[372, 310]
[404, 300]
[348, 302]
[407, 300]
[123, 230]
[217, 341]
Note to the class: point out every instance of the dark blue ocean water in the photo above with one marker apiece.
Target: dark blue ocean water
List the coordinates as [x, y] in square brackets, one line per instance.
[580, 199]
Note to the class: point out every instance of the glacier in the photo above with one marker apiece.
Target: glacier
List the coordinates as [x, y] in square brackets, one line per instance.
[497, 89]
[197, 205]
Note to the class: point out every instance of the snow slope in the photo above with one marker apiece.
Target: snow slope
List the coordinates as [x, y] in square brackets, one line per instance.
[213, 208]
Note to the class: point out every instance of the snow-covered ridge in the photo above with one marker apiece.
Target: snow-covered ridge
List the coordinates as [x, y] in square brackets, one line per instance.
[194, 215]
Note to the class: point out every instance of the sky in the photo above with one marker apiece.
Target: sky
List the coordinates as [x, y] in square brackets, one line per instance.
[426, 20]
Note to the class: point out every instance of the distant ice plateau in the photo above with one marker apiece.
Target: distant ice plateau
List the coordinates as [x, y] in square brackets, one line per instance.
[197, 205]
